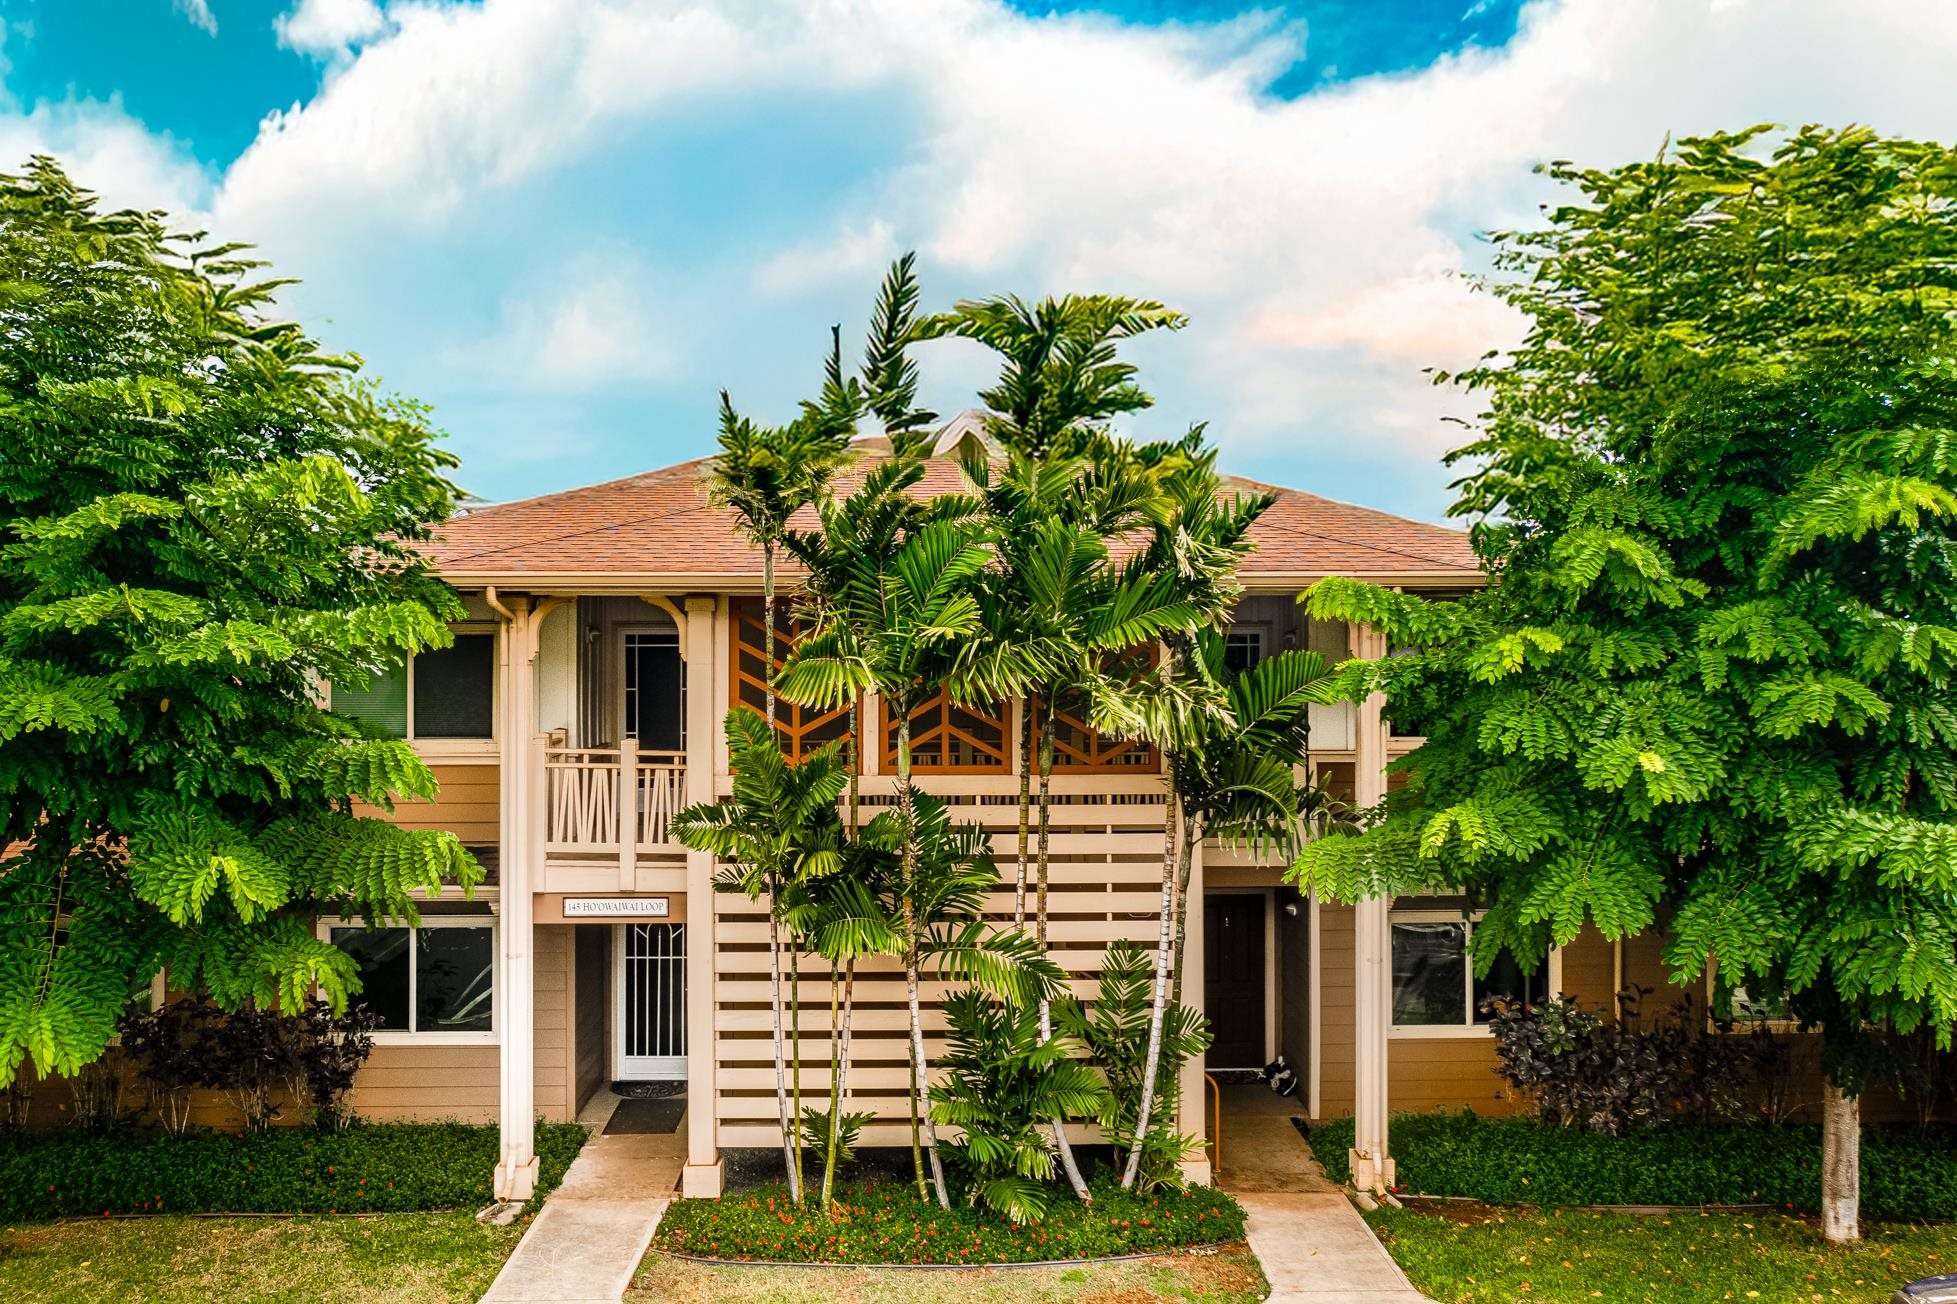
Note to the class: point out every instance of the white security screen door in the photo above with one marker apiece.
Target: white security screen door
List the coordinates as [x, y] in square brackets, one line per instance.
[651, 1005]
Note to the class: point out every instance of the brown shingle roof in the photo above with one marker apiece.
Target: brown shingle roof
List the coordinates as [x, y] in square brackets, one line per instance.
[660, 524]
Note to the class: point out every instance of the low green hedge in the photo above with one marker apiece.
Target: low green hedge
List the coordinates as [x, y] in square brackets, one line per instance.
[887, 1223]
[370, 1167]
[1907, 1171]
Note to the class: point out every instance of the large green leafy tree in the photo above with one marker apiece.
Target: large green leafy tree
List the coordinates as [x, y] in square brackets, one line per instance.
[1713, 679]
[202, 517]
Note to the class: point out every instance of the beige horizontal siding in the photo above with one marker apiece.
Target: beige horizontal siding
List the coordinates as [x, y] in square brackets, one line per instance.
[468, 804]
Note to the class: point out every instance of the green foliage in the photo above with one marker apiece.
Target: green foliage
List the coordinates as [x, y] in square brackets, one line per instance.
[369, 1167]
[1716, 489]
[890, 1224]
[202, 517]
[1004, 1084]
[1115, 1030]
[780, 826]
[1907, 1171]
[817, 1128]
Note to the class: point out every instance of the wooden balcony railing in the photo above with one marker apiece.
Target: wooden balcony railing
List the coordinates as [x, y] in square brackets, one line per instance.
[586, 789]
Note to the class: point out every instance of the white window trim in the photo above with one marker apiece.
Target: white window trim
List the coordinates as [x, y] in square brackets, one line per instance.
[401, 1037]
[459, 749]
[1455, 1031]
[1265, 632]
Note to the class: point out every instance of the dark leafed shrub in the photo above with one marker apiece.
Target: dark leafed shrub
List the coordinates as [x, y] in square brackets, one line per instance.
[889, 1224]
[1617, 1075]
[257, 1058]
[369, 1167]
[1907, 1171]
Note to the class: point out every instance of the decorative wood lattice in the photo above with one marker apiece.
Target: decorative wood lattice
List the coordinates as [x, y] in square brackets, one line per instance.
[1078, 749]
[801, 729]
[950, 739]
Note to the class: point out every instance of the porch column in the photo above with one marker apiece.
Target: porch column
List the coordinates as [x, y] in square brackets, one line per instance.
[516, 1168]
[1195, 1114]
[1372, 996]
[703, 1176]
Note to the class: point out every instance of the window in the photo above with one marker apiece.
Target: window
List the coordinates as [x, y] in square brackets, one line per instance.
[1243, 647]
[433, 982]
[1750, 1005]
[1435, 991]
[443, 693]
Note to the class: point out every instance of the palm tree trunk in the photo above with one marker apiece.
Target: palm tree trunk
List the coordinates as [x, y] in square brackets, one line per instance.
[1153, 1058]
[795, 1048]
[1060, 1143]
[1841, 1164]
[835, 1086]
[913, 939]
[1046, 815]
[788, 1146]
[1185, 869]
[790, 1129]
[839, 1081]
[1025, 802]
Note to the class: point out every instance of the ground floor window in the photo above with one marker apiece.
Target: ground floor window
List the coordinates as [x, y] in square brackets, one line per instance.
[1434, 984]
[429, 983]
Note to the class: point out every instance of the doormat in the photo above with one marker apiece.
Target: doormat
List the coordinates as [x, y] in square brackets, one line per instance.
[648, 1090]
[638, 1117]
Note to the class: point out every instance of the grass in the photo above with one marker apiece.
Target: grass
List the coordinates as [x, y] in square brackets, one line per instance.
[1458, 1254]
[402, 1258]
[1226, 1276]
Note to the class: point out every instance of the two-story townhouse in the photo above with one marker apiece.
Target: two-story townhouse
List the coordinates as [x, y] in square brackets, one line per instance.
[612, 627]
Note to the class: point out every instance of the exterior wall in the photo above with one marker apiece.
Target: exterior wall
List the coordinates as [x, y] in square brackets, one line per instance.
[1335, 982]
[1105, 877]
[467, 805]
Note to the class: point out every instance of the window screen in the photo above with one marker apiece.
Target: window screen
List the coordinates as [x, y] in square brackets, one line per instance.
[382, 701]
[382, 955]
[452, 968]
[455, 689]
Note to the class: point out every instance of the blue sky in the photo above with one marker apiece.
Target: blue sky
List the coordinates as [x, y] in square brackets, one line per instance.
[567, 223]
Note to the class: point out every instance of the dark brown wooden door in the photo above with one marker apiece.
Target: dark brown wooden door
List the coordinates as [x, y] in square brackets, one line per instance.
[1233, 979]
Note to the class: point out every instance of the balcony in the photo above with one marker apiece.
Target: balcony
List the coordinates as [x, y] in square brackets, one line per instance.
[587, 846]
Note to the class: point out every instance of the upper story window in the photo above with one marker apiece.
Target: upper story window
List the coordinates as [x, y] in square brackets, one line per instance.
[434, 982]
[1243, 647]
[1435, 991]
[439, 694]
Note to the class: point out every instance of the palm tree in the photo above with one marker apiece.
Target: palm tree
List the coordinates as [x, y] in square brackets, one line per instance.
[768, 473]
[897, 620]
[936, 901]
[1199, 541]
[779, 828]
[845, 919]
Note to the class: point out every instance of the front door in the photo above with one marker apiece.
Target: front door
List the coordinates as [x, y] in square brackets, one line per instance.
[652, 683]
[1233, 979]
[650, 1044]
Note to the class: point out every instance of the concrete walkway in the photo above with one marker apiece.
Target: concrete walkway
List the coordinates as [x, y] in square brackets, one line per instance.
[586, 1244]
[1312, 1243]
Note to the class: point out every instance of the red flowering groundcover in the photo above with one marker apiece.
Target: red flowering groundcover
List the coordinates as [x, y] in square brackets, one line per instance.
[887, 1223]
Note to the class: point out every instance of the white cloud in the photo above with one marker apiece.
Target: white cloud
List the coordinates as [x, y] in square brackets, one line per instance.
[109, 152]
[329, 29]
[1315, 241]
[197, 13]
[854, 255]
[589, 326]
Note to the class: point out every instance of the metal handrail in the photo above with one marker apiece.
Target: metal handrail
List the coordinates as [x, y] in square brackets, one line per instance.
[1216, 1128]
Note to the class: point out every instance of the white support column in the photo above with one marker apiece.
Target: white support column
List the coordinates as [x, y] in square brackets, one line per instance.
[1372, 999]
[704, 1174]
[516, 1168]
[628, 814]
[1195, 1091]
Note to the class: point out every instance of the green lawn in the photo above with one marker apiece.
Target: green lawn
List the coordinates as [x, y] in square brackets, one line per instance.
[422, 1258]
[1480, 1254]
[1229, 1276]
